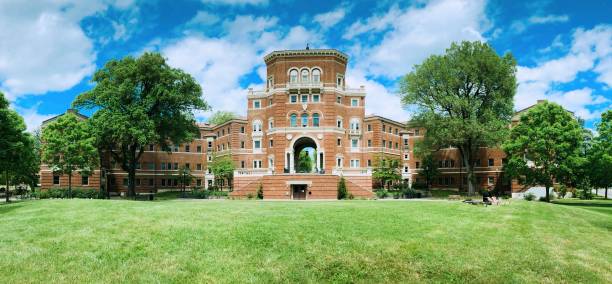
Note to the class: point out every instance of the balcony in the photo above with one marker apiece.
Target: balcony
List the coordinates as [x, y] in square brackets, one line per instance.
[304, 85]
[354, 132]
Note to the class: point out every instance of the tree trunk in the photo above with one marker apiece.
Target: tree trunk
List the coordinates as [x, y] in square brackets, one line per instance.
[606, 193]
[132, 182]
[7, 186]
[547, 193]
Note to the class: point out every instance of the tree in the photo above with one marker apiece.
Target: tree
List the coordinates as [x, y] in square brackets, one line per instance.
[600, 154]
[464, 99]
[544, 146]
[260, 194]
[16, 147]
[342, 191]
[141, 101]
[185, 178]
[386, 170]
[429, 169]
[68, 146]
[304, 162]
[26, 168]
[220, 117]
[223, 168]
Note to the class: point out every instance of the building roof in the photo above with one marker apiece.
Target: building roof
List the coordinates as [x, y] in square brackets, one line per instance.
[306, 52]
[70, 110]
[373, 116]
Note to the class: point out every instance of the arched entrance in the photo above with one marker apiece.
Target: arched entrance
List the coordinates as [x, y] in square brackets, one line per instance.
[305, 155]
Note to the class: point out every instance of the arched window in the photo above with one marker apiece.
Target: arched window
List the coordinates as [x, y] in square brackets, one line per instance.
[355, 124]
[315, 119]
[316, 75]
[256, 126]
[293, 76]
[293, 120]
[304, 119]
[304, 75]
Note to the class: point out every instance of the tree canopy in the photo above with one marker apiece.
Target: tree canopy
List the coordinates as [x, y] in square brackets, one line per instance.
[223, 168]
[69, 146]
[304, 162]
[544, 147]
[464, 98]
[386, 170]
[141, 101]
[220, 117]
[600, 154]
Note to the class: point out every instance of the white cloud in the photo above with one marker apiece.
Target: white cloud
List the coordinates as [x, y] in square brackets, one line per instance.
[591, 51]
[219, 63]
[42, 46]
[379, 100]
[236, 2]
[329, 19]
[31, 116]
[203, 18]
[409, 36]
[549, 19]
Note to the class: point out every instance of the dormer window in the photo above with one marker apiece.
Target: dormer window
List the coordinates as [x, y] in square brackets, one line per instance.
[305, 76]
[316, 75]
[293, 76]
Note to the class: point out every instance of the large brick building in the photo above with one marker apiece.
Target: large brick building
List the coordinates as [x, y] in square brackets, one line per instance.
[305, 105]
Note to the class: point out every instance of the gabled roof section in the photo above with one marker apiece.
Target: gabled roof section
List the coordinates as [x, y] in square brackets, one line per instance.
[71, 110]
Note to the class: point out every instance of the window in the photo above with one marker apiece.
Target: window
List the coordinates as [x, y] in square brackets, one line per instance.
[187, 166]
[339, 81]
[270, 102]
[339, 142]
[390, 144]
[452, 163]
[354, 163]
[354, 125]
[271, 143]
[339, 162]
[257, 164]
[163, 166]
[384, 143]
[315, 119]
[491, 180]
[354, 102]
[293, 120]
[396, 131]
[257, 126]
[369, 143]
[176, 166]
[293, 99]
[199, 149]
[405, 142]
[151, 166]
[316, 75]
[491, 162]
[163, 182]
[151, 182]
[339, 122]
[369, 163]
[369, 127]
[405, 169]
[270, 124]
[187, 148]
[176, 148]
[293, 75]
[305, 76]
[354, 143]
[304, 98]
[339, 99]
[84, 180]
[241, 144]
[416, 132]
[315, 98]
[199, 167]
[198, 182]
[257, 144]
[242, 164]
[209, 158]
[151, 147]
[56, 180]
[405, 156]
[418, 165]
[241, 130]
[209, 144]
[384, 128]
[257, 104]
[304, 120]
[125, 182]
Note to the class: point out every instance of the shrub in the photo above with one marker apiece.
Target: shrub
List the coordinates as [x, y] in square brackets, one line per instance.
[199, 194]
[250, 195]
[410, 193]
[351, 196]
[419, 186]
[396, 195]
[220, 194]
[260, 192]
[529, 196]
[382, 193]
[342, 191]
[561, 190]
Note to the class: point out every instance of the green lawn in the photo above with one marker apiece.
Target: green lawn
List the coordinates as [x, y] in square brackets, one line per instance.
[181, 241]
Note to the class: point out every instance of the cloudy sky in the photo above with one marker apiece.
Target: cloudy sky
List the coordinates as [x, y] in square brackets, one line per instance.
[50, 49]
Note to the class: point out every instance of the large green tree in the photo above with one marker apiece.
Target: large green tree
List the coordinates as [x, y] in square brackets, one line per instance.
[141, 101]
[304, 162]
[464, 98]
[220, 117]
[600, 154]
[68, 147]
[386, 170]
[544, 146]
[17, 154]
[223, 168]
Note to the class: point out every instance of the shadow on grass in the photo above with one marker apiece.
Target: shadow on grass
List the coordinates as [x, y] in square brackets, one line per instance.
[586, 203]
[8, 207]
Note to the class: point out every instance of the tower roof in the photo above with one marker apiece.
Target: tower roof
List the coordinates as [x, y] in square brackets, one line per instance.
[306, 52]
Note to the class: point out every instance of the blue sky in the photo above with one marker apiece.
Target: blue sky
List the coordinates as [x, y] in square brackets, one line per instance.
[50, 49]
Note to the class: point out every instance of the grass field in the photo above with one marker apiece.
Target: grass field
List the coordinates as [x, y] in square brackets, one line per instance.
[252, 241]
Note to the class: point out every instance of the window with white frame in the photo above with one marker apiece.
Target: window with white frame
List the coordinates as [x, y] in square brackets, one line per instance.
[293, 76]
[270, 123]
[315, 119]
[293, 99]
[270, 82]
[339, 162]
[304, 120]
[305, 76]
[257, 164]
[257, 144]
[354, 102]
[339, 122]
[209, 158]
[270, 162]
[491, 180]
[339, 99]
[355, 163]
[406, 156]
[316, 75]
[405, 169]
[339, 81]
[256, 126]
[354, 124]
[354, 143]
[256, 104]
[316, 98]
[293, 120]
[304, 98]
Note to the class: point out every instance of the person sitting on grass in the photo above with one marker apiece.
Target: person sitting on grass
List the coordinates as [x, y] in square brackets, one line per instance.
[490, 198]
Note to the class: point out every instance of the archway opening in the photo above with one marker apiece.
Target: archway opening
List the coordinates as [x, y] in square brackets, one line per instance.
[305, 155]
